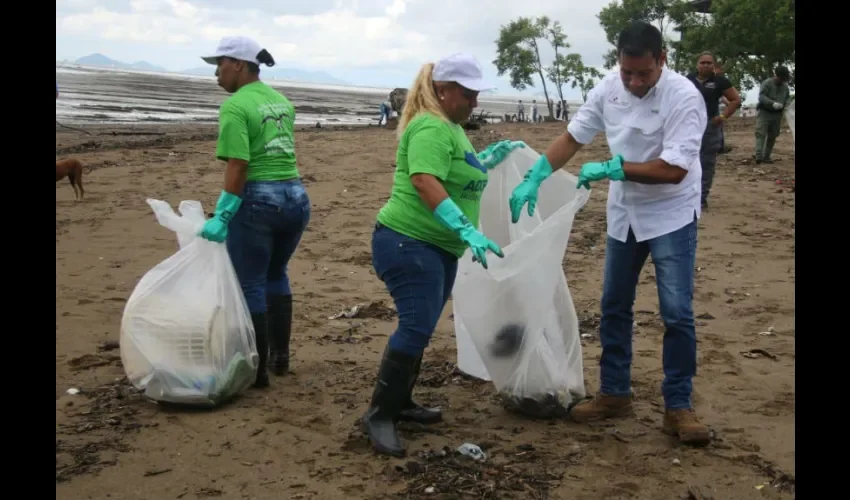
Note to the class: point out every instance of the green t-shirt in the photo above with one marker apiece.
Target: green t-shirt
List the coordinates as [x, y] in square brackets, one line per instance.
[430, 145]
[257, 124]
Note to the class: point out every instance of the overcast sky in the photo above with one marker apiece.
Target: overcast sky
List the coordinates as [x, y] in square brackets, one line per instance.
[366, 42]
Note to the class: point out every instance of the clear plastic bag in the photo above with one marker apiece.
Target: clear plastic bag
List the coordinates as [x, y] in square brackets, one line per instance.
[515, 323]
[791, 118]
[186, 334]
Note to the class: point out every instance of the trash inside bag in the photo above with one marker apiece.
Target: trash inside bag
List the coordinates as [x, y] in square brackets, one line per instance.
[186, 334]
[791, 118]
[516, 324]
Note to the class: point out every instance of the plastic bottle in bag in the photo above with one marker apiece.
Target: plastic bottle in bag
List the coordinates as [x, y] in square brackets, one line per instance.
[186, 334]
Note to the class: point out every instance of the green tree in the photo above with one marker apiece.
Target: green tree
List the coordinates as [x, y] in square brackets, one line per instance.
[617, 15]
[580, 76]
[556, 36]
[751, 37]
[518, 53]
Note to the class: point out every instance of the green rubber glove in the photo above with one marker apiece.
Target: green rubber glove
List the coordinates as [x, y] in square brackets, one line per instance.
[596, 171]
[526, 192]
[449, 215]
[496, 153]
[215, 229]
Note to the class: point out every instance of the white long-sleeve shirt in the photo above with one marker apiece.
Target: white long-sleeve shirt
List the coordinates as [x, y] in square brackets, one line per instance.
[667, 123]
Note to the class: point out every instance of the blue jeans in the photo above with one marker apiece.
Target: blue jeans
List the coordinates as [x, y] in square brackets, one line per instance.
[674, 256]
[264, 234]
[419, 277]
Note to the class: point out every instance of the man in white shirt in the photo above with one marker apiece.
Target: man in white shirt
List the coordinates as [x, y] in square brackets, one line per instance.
[654, 121]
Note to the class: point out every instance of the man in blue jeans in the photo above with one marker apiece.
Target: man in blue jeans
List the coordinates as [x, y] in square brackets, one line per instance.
[654, 121]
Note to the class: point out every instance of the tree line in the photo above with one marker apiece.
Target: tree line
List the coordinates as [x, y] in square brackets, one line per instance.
[749, 38]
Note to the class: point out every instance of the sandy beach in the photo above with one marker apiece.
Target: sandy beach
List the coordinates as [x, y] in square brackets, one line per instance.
[298, 440]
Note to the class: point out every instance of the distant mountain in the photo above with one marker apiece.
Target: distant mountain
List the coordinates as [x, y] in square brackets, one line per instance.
[291, 74]
[102, 60]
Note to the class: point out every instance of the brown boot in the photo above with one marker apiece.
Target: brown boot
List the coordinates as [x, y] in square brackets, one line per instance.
[601, 407]
[684, 424]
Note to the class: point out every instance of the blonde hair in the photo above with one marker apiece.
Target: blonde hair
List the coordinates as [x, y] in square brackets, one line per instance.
[421, 98]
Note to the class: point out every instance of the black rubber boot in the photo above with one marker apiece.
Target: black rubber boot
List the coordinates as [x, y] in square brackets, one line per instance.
[414, 412]
[391, 393]
[280, 332]
[261, 331]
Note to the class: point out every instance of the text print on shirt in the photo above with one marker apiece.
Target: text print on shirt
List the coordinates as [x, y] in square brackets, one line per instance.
[474, 189]
[273, 116]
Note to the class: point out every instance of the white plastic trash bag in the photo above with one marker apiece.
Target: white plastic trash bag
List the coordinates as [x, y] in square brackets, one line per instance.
[186, 334]
[515, 323]
[790, 117]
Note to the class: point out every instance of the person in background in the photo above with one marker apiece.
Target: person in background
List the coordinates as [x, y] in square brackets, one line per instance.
[428, 223]
[654, 120]
[773, 97]
[719, 71]
[386, 109]
[520, 111]
[533, 111]
[558, 111]
[263, 209]
[713, 88]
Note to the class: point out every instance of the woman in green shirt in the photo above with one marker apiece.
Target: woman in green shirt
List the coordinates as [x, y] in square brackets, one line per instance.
[426, 225]
[263, 208]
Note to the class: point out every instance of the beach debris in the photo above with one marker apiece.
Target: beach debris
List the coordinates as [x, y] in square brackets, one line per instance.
[439, 473]
[87, 441]
[472, 451]
[109, 345]
[758, 353]
[113, 133]
[87, 361]
[696, 493]
[770, 331]
[375, 309]
[73, 391]
[156, 472]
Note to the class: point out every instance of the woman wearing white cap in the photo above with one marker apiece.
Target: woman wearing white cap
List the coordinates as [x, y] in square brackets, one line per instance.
[263, 208]
[426, 225]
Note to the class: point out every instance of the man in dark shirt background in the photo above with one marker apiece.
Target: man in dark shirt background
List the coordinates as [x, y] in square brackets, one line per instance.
[712, 87]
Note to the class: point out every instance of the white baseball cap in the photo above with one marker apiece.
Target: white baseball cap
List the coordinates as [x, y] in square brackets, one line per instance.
[241, 48]
[462, 69]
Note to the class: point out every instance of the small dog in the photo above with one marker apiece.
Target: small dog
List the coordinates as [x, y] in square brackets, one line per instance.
[73, 170]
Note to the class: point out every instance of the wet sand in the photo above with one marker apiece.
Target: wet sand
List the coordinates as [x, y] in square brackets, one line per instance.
[298, 440]
[95, 95]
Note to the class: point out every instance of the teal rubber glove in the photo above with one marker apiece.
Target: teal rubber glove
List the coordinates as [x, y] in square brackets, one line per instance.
[450, 216]
[596, 171]
[496, 153]
[526, 192]
[215, 229]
